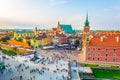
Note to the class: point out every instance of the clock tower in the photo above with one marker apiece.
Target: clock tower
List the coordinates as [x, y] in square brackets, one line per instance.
[85, 37]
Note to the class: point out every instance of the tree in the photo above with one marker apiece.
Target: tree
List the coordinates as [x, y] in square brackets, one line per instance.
[77, 43]
[19, 39]
[4, 39]
[9, 52]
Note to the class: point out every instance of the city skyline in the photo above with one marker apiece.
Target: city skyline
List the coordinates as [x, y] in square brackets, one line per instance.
[46, 13]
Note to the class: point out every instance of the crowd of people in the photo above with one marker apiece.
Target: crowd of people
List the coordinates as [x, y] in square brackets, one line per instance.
[52, 63]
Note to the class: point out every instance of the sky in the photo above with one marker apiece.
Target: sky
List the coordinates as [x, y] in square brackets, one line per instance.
[45, 14]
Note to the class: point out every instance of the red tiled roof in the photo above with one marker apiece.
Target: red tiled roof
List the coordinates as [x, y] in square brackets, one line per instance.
[107, 42]
[107, 34]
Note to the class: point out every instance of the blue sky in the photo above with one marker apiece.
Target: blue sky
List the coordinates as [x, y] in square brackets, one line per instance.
[103, 14]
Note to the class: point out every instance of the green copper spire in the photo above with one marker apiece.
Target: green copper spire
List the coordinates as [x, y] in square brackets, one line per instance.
[87, 21]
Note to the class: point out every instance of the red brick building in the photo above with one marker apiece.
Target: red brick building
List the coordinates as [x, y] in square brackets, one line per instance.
[103, 49]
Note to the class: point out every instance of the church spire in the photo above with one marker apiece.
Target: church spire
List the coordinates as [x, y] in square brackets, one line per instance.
[58, 23]
[87, 21]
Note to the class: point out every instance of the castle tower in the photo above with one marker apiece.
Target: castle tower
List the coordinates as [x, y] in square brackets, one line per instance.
[85, 37]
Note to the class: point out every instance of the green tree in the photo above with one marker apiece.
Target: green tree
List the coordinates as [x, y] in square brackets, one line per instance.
[19, 39]
[4, 39]
[9, 52]
[77, 42]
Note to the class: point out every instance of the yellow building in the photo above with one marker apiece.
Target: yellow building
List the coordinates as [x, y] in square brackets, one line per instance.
[46, 41]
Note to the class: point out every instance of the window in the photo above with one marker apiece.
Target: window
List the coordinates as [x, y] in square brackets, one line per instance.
[114, 50]
[99, 49]
[106, 54]
[88, 58]
[93, 54]
[93, 48]
[106, 59]
[114, 55]
[106, 50]
[88, 49]
[88, 53]
[113, 59]
[93, 58]
[99, 54]
[98, 59]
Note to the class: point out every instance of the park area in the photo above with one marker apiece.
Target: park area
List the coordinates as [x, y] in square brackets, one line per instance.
[105, 74]
[101, 72]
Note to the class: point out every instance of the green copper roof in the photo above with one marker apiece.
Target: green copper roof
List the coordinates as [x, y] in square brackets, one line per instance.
[67, 29]
[87, 21]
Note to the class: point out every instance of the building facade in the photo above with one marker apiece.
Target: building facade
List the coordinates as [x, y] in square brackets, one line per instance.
[103, 50]
[65, 29]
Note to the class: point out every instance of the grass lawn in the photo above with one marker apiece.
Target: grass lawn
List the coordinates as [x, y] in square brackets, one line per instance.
[90, 65]
[106, 74]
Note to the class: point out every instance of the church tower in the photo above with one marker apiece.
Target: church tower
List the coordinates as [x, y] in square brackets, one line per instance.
[59, 30]
[85, 37]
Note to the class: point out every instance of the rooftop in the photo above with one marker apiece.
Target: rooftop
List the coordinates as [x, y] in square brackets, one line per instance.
[107, 42]
[67, 28]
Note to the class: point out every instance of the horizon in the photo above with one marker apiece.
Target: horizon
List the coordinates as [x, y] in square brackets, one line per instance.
[26, 14]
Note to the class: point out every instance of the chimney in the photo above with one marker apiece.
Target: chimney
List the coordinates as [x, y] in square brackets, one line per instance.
[117, 39]
[101, 38]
